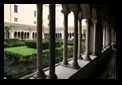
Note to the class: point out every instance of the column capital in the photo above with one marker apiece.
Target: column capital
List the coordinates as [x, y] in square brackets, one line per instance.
[39, 5]
[74, 10]
[87, 19]
[65, 11]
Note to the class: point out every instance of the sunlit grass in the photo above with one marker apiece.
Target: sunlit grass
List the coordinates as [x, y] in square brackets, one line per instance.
[23, 50]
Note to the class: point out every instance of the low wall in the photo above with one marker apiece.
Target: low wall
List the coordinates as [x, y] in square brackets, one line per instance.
[92, 68]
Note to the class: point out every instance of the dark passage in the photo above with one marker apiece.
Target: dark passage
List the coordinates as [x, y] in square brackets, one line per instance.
[108, 69]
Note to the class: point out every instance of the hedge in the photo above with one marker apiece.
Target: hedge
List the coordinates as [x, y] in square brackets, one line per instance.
[13, 43]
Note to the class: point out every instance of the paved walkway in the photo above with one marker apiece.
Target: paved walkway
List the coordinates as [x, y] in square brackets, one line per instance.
[66, 72]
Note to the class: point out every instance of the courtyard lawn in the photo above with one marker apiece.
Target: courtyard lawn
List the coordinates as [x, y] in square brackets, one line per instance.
[23, 50]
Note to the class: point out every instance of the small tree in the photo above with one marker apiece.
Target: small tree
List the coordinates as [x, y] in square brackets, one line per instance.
[84, 29]
[6, 27]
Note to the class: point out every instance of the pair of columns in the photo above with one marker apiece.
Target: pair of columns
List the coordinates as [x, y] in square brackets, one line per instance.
[40, 73]
[106, 36]
[75, 50]
[87, 57]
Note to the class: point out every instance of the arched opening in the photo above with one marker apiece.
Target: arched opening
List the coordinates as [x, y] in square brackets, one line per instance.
[15, 35]
[22, 35]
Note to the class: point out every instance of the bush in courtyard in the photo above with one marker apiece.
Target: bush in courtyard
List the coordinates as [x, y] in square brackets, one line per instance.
[30, 43]
[13, 43]
[58, 42]
[16, 58]
[70, 42]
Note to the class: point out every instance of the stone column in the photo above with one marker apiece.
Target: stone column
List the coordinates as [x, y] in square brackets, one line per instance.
[106, 37]
[12, 35]
[79, 35]
[94, 40]
[52, 74]
[65, 36]
[87, 57]
[75, 49]
[39, 73]
[103, 37]
[30, 36]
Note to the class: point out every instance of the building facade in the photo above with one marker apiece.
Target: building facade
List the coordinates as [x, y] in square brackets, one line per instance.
[22, 21]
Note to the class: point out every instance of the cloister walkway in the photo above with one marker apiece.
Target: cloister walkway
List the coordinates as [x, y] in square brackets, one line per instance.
[108, 69]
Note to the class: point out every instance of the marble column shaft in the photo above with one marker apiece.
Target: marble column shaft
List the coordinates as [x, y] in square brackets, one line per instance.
[94, 41]
[52, 74]
[87, 57]
[80, 39]
[75, 49]
[65, 49]
[39, 73]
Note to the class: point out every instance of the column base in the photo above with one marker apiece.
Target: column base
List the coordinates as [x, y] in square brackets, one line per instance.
[79, 57]
[87, 58]
[52, 77]
[93, 54]
[64, 62]
[39, 75]
[75, 66]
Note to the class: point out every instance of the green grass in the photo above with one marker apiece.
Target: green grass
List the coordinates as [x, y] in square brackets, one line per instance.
[23, 50]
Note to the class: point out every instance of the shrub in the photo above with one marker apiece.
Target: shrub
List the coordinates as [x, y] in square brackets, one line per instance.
[31, 43]
[59, 42]
[13, 43]
[70, 42]
[16, 58]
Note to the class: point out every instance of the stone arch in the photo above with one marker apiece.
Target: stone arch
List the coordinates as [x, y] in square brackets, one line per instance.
[94, 14]
[7, 34]
[15, 34]
[22, 35]
[60, 35]
[19, 35]
[33, 35]
[85, 10]
[73, 34]
[28, 35]
[70, 35]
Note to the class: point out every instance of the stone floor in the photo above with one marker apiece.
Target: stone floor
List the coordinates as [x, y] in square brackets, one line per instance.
[109, 69]
[63, 72]
[66, 72]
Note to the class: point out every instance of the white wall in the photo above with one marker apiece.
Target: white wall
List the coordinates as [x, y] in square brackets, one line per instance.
[25, 15]
[45, 15]
[59, 17]
[6, 12]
